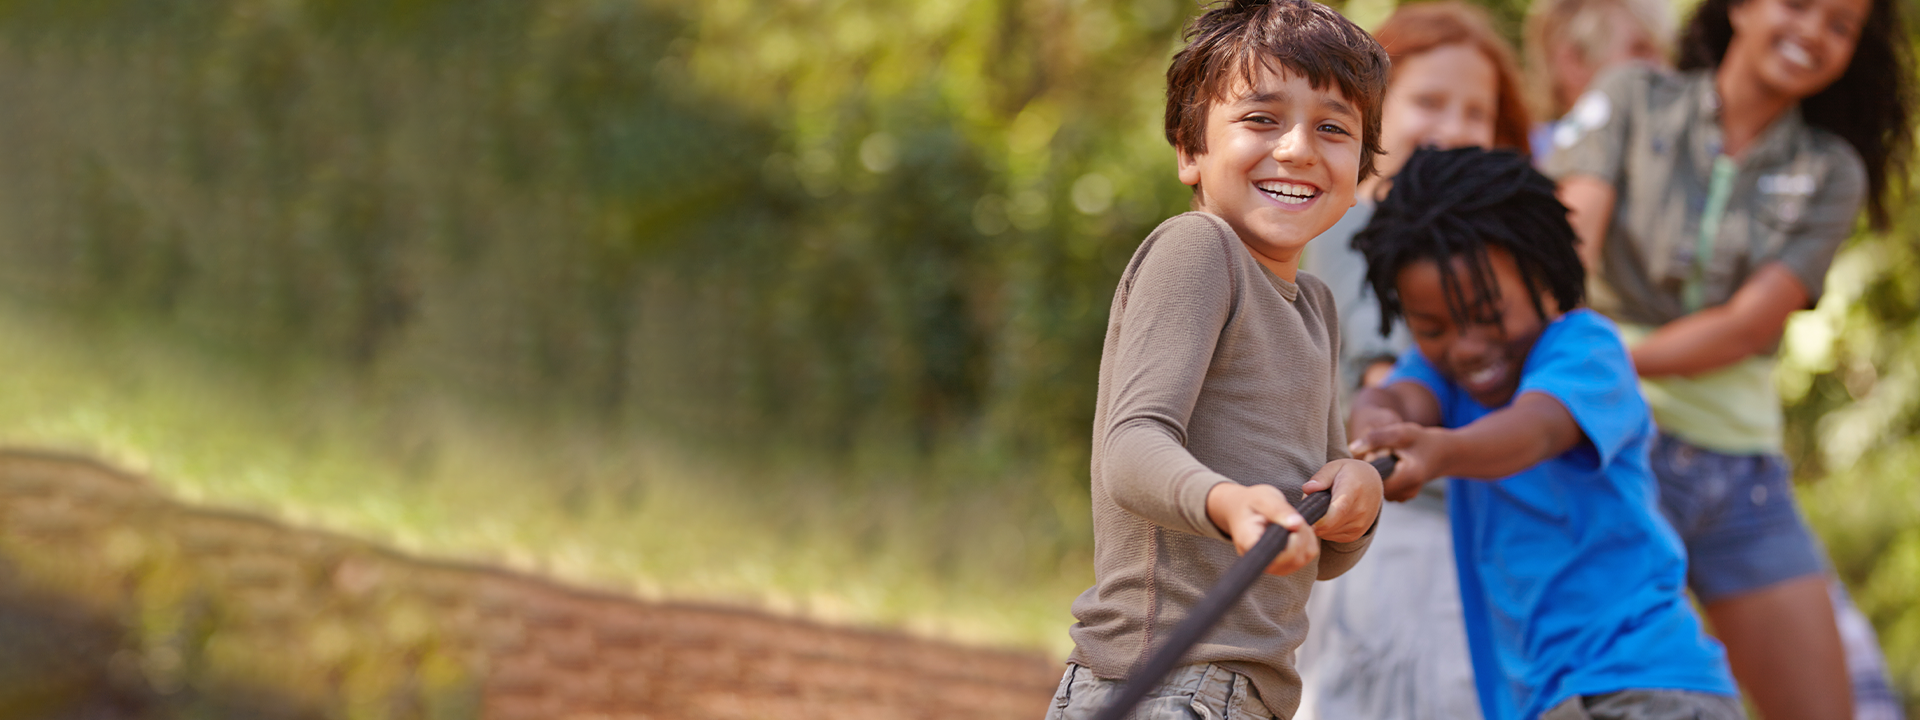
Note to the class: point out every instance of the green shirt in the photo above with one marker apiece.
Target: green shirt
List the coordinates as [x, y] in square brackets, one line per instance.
[1791, 198]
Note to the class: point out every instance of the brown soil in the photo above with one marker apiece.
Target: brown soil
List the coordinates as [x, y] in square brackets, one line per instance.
[160, 609]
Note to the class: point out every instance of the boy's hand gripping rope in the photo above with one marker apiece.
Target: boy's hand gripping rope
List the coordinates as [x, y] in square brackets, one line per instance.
[1217, 601]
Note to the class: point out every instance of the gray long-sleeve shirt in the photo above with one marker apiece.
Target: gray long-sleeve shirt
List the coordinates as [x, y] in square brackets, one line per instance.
[1214, 370]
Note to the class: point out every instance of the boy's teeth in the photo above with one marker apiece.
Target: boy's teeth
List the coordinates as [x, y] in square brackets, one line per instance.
[1287, 192]
[1484, 375]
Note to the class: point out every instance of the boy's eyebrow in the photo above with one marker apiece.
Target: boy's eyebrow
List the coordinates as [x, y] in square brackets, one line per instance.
[1327, 101]
[1337, 105]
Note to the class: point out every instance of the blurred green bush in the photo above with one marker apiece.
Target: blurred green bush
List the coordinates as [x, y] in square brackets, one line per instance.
[823, 227]
[827, 224]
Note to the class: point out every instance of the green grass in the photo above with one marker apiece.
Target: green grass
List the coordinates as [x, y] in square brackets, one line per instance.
[400, 461]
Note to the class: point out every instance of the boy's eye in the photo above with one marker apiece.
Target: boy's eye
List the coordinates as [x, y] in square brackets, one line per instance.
[1491, 321]
[1332, 128]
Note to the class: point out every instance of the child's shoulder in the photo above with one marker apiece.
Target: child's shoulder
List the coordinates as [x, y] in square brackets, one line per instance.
[1585, 324]
[1313, 287]
[1310, 282]
[1198, 241]
[1634, 90]
[1583, 345]
[1581, 332]
[1203, 229]
[1639, 78]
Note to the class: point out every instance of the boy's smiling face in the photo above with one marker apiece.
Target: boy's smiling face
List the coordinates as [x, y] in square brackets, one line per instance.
[1484, 353]
[1281, 163]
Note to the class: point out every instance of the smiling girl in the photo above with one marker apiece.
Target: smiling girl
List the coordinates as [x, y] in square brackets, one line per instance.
[1710, 202]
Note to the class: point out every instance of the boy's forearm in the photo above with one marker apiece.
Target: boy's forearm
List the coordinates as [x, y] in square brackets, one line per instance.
[1533, 429]
[1150, 473]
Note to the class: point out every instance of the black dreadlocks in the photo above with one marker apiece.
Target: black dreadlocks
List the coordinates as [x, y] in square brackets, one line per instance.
[1448, 204]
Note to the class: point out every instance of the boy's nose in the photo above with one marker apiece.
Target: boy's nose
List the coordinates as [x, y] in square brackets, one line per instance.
[1295, 146]
[1472, 344]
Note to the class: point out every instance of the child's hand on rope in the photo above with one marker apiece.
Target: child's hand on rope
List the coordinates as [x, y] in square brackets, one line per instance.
[1243, 512]
[1357, 494]
[1418, 447]
[1366, 418]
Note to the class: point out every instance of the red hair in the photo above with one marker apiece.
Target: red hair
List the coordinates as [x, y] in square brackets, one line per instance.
[1422, 27]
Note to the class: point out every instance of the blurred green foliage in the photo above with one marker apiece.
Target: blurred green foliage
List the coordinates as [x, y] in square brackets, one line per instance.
[840, 226]
[819, 226]
[845, 234]
[1851, 375]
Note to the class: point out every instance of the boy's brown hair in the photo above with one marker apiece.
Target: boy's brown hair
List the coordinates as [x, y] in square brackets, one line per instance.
[1234, 39]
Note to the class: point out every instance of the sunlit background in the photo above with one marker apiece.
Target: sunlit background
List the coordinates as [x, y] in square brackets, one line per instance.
[789, 305]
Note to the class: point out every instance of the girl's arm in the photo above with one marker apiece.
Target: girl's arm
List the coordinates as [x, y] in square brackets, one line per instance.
[1589, 168]
[1534, 428]
[1748, 324]
[1712, 338]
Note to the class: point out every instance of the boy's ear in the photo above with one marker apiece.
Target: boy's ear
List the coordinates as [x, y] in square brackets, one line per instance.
[1189, 167]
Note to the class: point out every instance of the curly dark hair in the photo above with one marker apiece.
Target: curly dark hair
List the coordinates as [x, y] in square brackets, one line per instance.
[1870, 106]
[1454, 204]
[1234, 39]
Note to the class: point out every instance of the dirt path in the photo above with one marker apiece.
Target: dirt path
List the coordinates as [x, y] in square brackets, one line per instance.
[118, 602]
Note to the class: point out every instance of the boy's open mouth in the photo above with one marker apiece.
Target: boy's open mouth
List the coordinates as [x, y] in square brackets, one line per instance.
[1286, 192]
[1486, 378]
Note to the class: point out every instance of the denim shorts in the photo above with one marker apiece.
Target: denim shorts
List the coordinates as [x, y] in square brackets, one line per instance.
[1649, 705]
[1737, 516]
[1190, 692]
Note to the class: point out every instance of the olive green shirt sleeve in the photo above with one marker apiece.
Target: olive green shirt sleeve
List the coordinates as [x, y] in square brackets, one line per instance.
[1592, 139]
[1814, 234]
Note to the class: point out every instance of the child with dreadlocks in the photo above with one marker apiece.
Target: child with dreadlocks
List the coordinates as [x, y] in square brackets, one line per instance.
[1571, 581]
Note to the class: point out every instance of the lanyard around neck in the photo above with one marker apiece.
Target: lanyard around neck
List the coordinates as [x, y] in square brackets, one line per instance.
[1718, 190]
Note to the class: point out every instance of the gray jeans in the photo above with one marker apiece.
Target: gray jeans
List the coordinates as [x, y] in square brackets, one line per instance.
[1648, 705]
[1190, 692]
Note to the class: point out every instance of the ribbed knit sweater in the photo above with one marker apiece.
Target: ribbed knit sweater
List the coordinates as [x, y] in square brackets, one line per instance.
[1214, 370]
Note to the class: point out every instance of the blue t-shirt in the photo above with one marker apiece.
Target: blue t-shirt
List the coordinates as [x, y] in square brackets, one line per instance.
[1571, 580]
